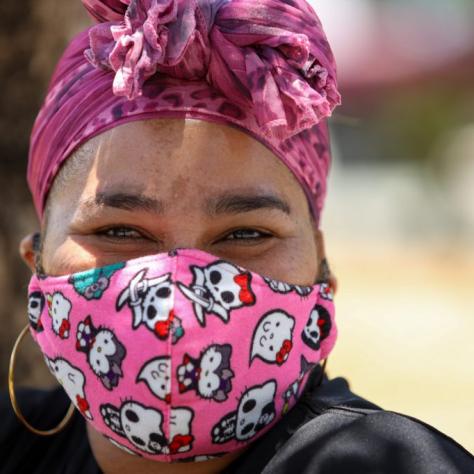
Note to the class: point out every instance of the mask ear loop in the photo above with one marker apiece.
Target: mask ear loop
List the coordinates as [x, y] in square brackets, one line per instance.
[37, 249]
[323, 372]
[324, 275]
[324, 272]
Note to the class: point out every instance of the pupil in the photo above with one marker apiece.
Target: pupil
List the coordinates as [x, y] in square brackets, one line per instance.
[151, 312]
[249, 405]
[215, 277]
[131, 415]
[163, 292]
[227, 296]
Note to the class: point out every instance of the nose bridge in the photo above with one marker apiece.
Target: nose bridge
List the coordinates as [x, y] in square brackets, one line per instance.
[183, 231]
[172, 247]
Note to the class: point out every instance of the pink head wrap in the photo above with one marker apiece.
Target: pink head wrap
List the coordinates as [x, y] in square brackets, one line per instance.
[265, 67]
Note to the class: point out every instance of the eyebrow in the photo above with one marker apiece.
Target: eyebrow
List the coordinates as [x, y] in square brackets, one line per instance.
[231, 203]
[125, 201]
[240, 203]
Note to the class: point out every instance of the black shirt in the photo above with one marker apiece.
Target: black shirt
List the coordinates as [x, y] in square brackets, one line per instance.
[329, 431]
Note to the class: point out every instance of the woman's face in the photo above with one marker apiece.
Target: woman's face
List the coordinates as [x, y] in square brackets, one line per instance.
[150, 186]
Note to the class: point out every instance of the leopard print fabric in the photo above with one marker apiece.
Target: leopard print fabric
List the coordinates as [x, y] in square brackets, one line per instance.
[268, 71]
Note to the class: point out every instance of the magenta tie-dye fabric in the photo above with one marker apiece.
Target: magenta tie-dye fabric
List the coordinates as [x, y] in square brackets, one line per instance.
[265, 67]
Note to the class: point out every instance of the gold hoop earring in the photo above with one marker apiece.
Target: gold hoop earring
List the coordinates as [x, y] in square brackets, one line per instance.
[323, 371]
[11, 390]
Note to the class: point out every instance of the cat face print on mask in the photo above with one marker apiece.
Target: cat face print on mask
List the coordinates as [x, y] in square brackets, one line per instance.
[180, 356]
[59, 308]
[209, 375]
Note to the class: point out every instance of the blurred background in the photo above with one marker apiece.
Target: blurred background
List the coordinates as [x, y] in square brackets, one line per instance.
[399, 221]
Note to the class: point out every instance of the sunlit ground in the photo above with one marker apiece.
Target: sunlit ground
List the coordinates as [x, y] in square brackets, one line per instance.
[406, 322]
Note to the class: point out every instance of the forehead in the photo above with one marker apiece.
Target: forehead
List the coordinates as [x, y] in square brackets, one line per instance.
[159, 148]
[178, 159]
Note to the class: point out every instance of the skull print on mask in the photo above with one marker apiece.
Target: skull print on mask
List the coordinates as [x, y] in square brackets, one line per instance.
[142, 426]
[35, 308]
[256, 410]
[179, 389]
[151, 300]
[218, 288]
[317, 328]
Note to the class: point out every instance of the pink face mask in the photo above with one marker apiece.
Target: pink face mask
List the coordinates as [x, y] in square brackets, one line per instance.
[182, 355]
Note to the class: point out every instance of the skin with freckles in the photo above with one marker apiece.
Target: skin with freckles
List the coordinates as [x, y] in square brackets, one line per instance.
[150, 186]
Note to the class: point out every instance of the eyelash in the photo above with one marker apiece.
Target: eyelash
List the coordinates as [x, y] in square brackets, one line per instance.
[117, 231]
[238, 234]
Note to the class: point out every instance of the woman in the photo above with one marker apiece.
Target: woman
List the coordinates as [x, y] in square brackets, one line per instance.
[181, 294]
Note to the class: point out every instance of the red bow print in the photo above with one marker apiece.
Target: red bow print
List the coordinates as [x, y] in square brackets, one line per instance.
[90, 343]
[327, 291]
[282, 354]
[65, 326]
[179, 441]
[88, 321]
[162, 328]
[245, 295]
[82, 404]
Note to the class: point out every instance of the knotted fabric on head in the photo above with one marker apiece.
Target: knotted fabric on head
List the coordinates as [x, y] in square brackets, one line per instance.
[265, 67]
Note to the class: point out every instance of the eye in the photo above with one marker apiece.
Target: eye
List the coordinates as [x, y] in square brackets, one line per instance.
[120, 233]
[163, 292]
[247, 234]
[249, 405]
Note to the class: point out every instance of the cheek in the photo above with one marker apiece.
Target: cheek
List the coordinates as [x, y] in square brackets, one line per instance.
[67, 257]
[293, 261]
